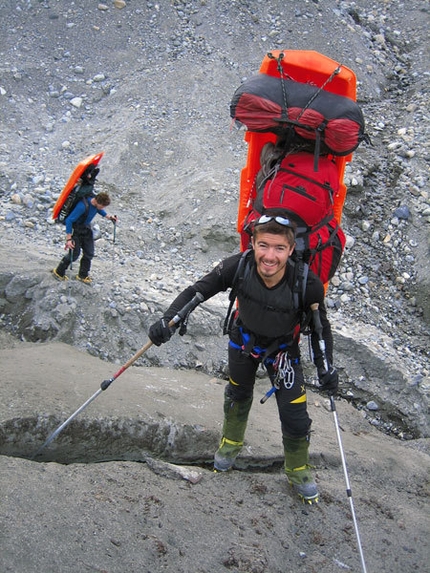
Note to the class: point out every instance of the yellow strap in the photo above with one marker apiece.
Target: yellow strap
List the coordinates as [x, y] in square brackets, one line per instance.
[299, 469]
[233, 382]
[230, 442]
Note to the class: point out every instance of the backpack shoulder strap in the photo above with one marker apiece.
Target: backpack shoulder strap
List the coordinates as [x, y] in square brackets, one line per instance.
[236, 280]
[301, 270]
[239, 274]
[84, 215]
[86, 203]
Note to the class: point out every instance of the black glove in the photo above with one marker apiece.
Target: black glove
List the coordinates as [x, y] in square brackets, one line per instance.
[329, 381]
[160, 332]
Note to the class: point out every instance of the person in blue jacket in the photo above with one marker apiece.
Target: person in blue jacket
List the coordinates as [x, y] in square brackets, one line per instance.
[264, 328]
[79, 235]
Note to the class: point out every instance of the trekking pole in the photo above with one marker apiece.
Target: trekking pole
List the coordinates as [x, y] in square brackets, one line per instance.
[321, 343]
[181, 315]
[114, 231]
[348, 487]
[71, 266]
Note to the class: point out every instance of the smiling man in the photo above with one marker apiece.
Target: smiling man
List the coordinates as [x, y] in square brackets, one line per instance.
[265, 328]
[272, 251]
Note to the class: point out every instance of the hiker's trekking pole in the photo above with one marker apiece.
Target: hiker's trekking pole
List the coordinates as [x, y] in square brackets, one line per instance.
[114, 230]
[71, 267]
[318, 330]
[182, 315]
[348, 487]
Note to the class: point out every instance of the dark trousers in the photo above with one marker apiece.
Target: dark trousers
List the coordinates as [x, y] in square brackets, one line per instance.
[290, 397]
[84, 241]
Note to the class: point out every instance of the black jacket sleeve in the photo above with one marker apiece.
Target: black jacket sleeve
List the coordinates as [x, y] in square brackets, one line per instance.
[315, 294]
[219, 279]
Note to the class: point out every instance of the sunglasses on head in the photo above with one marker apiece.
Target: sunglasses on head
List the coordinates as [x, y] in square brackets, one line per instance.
[280, 220]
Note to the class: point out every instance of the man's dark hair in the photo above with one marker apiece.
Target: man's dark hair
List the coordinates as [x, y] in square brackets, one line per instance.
[275, 228]
[103, 199]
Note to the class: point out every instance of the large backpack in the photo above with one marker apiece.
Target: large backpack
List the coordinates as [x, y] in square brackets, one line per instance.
[80, 192]
[306, 196]
[264, 103]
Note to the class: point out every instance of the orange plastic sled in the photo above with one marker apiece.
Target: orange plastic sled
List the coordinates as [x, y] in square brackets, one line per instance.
[73, 179]
[304, 66]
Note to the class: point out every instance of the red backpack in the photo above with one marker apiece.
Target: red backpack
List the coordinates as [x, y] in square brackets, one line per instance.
[265, 103]
[291, 184]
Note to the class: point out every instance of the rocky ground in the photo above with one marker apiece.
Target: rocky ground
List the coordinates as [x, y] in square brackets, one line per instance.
[128, 485]
[150, 85]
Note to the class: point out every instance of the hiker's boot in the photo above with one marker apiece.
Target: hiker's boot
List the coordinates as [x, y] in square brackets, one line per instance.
[86, 280]
[58, 276]
[60, 272]
[233, 432]
[84, 268]
[297, 468]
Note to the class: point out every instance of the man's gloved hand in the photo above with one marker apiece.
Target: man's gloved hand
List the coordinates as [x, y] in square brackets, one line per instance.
[329, 381]
[160, 332]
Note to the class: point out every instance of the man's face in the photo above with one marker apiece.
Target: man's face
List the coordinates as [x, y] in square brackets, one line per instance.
[271, 254]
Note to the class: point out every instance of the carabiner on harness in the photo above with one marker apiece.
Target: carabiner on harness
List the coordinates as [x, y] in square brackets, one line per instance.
[284, 370]
[284, 374]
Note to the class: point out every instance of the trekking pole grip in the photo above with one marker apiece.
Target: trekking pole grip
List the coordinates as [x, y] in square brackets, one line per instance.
[189, 307]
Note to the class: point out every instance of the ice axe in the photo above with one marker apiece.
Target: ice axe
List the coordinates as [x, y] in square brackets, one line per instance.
[319, 329]
[182, 315]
